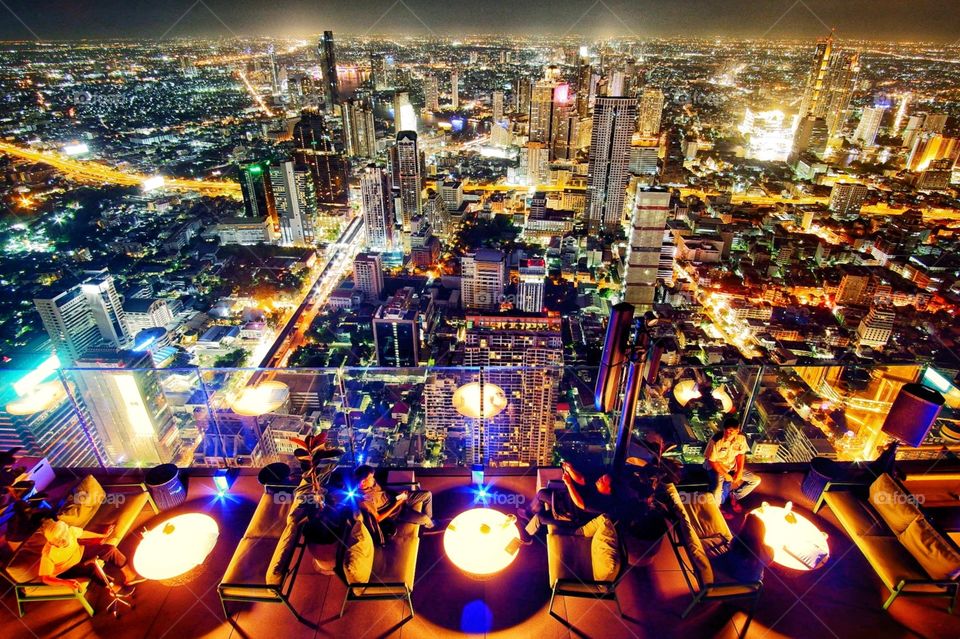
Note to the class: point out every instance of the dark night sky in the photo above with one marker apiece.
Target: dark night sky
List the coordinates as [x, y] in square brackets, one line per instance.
[876, 19]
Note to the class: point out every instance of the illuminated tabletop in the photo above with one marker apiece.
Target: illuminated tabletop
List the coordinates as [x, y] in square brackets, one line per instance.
[796, 541]
[482, 541]
[176, 546]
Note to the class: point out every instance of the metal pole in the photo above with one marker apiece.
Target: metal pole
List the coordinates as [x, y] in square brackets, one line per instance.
[753, 397]
[628, 411]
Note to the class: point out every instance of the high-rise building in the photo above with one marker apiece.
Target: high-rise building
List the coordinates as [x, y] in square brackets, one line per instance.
[524, 357]
[127, 406]
[496, 101]
[104, 302]
[854, 286]
[359, 132]
[650, 210]
[376, 206]
[431, 93]
[846, 198]
[523, 93]
[328, 67]
[396, 330]
[830, 84]
[452, 193]
[482, 279]
[314, 148]
[368, 275]
[650, 112]
[454, 90]
[295, 201]
[69, 323]
[812, 136]
[255, 187]
[613, 124]
[535, 163]
[405, 157]
[404, 116]
[541, 112]
[929, 147]
[643, 157]
[869, 125]
[875, 330]
[533, 273]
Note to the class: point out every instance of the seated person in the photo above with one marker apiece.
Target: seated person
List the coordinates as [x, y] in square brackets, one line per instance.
[62, 557]
[587, 502]
[725, 457]
[748, 554]
[386, 506]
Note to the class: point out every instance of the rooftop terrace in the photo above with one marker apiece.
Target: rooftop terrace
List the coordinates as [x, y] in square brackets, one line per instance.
[841, 599]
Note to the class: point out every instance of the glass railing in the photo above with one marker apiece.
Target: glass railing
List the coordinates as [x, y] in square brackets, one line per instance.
[433, 417]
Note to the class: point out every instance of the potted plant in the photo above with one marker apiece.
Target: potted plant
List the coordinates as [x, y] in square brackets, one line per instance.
[318, 460]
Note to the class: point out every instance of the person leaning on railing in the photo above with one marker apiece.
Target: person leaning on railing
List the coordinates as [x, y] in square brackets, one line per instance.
[724, 460]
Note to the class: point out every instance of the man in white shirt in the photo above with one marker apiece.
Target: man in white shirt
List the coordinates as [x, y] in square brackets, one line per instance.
[725, 457]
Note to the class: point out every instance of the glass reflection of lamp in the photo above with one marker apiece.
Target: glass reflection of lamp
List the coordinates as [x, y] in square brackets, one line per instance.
[38, 399]
[254, 401]
[479, 400]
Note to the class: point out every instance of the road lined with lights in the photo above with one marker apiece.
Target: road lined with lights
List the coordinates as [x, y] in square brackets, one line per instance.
[98, 173]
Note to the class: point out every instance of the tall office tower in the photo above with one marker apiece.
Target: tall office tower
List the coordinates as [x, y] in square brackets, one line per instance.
[649, 219]
[869, 126]
[104, 302]
[378, 72]
[359, 131]
[846, 198]
[255, 187]
[404, 116]
[431, 93]
[496, 100]
[650, 112]
[454, 90]
[615, 84]
[368, 275]
[296, 202]
[853, 286]
[584, 77]
[405, 156]
[549, 107]
[875, 330]
[69, 323]
[929, 147]
[524, 357]
[437, 213]
[522, 94]
[376, 206]
[613, 124]
[812, 136]
[566, 133]
[328, 67]
[483, 277]
[533, 274]
[452, 193]
[830, 83]
[127, 407]
[643, 157]
[535, 163]
[314, 148]
[396, 332]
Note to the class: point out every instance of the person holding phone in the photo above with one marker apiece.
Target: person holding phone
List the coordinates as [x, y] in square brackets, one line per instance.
[385, 506]
[587, 501]
[62, 555]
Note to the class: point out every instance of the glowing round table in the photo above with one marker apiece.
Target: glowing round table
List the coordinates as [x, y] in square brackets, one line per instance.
[796, 541]
[176, 547]
[482, 541]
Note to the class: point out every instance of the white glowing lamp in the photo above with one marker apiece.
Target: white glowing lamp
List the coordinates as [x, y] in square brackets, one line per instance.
[482, 541]
[686, 391]
[40, 398]
[176, 546]
[264, 398]
[467, 400]
[796, 541]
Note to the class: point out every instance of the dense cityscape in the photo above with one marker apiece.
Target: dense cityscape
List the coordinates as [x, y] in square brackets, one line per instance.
[349, 228]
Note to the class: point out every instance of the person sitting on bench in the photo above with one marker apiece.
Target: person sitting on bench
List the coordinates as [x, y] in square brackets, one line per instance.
[583, 501]
[725, 457]
[387, 506]
[62, 557]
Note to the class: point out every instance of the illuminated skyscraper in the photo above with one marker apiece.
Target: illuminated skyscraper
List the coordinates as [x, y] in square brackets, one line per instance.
[482, 279]
[431, 93]
[533, 274]
[875, 330]
[376, 206]
[314, 148]
[359, 132]
[812, 136]
[368, 275]
[830, 83]
[396, 333]
[650, 112]
[846, 198]
[104, 302]
[405, 157]
[523, 93]
[255, 187]
[497, 105]
[613, 124]
[404, 117]
[328, 67]
[295, 201]
[454, 90]
[869, 126]
[929, 147]
[649, 218]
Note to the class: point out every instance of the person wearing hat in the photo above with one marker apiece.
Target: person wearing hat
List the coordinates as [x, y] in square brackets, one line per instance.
[62, 555]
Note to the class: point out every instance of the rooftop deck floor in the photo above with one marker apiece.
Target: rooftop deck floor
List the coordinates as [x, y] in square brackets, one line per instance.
[842, 599]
